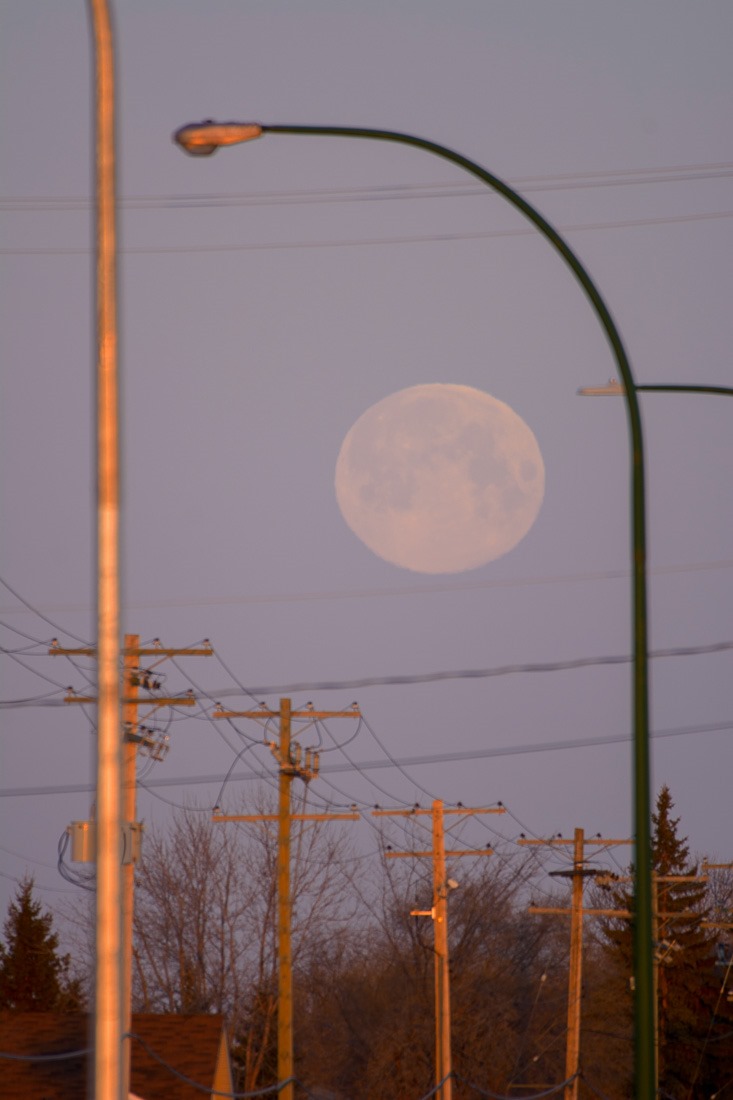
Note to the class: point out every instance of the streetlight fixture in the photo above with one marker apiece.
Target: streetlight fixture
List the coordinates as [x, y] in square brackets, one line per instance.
[203, 139]
[614, 388]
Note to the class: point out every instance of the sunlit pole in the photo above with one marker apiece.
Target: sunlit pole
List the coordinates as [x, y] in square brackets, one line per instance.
[106, 1083]
[203, 139]
[613, 388]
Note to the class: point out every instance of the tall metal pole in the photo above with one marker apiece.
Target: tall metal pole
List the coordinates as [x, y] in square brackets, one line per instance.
[106, 1081]
[443, 1066]
[205, 138]
[285, 967]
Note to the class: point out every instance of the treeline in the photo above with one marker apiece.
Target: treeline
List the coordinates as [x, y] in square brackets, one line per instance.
[206, 941]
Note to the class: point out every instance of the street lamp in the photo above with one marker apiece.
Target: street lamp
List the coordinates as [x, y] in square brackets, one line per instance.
[203, 139]
[613, 388]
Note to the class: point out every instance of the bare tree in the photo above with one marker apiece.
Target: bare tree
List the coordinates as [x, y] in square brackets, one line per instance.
[205, 921]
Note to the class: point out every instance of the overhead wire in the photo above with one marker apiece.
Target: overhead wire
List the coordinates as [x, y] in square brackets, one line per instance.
[382, 192]
[424, 589]
[41, 642]
[40, 614]
[467, 674]
[396, 764]
[34, 671]
[188, 780]
[377, 786]
[374, 242]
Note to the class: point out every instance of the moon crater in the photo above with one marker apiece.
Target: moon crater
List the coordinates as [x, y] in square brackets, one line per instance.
[440, 478]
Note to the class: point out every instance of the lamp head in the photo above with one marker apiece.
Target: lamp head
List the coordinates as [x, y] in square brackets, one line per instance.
[201, 139]
[613, 388]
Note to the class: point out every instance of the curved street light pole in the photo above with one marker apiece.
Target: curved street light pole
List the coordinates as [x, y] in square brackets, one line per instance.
[203, 139]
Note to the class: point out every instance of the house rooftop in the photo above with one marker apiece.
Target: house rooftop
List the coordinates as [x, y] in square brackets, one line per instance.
[170, 1055]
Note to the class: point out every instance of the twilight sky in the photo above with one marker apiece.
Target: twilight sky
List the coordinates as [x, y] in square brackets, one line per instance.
[270, 295]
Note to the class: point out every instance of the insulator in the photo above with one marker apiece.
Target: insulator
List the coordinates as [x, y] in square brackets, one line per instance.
[316, 762]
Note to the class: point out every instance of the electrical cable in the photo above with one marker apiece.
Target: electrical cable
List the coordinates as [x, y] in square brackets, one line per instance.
[40, 614]
[359, 242]
[710, 1027]
[425, 589]
[395, 763]
[376, 786]
[245, 690]
[30, 700]
[434, 758]
[26, 650]
[596, 1091]
[41, 642]
[465, 674]
[553, 1091]
[85, 880]
[380, 192]
[41, 1058]
[237, 758]
[485, 673]
[35, 672]
[27, 859]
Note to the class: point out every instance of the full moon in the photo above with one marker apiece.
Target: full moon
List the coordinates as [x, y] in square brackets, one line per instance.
[440, 478]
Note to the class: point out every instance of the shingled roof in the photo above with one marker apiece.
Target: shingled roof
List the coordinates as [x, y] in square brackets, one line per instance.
[193, 1046]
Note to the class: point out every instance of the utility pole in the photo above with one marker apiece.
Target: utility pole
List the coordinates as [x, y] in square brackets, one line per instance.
[133, 736]
[292, 762]
[439, 915]
[575, 979]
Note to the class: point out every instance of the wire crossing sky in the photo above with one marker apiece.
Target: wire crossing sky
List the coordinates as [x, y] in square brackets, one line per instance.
[271, 295]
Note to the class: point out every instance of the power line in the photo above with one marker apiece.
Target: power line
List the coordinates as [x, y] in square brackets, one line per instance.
[370, 765]
[357, 242]
[40, 614]
[379, 192]
[431, 677]
[429, 588]
[473, 674]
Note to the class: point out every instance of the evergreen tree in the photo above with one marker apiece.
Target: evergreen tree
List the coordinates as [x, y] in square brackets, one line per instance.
[691, 1026]
[33, 976]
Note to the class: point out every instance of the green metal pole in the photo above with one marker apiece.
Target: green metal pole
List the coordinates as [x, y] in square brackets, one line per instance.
[644, 1062]
[204, 139]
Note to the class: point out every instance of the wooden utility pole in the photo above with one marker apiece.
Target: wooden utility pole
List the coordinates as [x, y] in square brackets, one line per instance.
[133, 736]
[439, 914]
[575, 978]
[291, 763]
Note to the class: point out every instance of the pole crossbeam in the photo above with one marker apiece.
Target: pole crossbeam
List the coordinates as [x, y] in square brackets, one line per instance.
[143, 700]
[448, 852]
[55, 650]
[293, 817]
[265, 712]
[461, 810]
